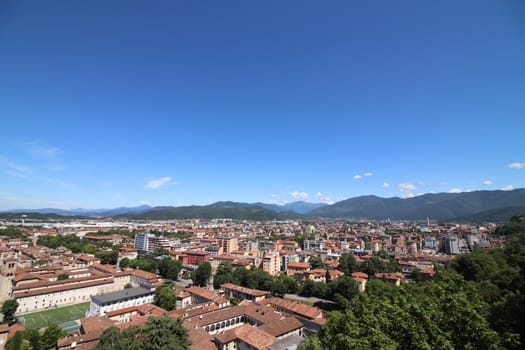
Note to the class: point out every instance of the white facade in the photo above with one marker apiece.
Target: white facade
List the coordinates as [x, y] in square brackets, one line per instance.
[47, 299]
[102, 304]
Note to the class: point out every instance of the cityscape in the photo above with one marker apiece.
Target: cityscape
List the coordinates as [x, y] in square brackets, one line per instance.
[277, 175]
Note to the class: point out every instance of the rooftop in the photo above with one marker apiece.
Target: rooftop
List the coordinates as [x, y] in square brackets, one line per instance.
[121, 295]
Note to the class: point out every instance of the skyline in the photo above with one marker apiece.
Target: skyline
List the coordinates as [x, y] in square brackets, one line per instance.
[174, 103]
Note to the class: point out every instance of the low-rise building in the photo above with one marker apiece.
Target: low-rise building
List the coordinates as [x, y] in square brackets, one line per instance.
[104, 303]
[243, 293]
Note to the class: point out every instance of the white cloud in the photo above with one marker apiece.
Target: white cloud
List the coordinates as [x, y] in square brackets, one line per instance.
[385, 185]
[517, 165]
[15, 174]
[455, 190]
[157, 183]
[406, 190]
[443, 183]
[488, 182]
[367, 174]
[323, 198]
[145, 203]
[299, 195]
[13, 169]
[41, 150]
[508, 188]
[406, 187]
[357, 177]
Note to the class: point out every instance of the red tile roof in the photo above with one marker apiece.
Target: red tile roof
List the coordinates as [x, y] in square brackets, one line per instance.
[294, 307]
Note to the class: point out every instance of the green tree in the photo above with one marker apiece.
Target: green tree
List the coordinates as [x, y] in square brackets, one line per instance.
[124, 263]
[165, 298]
[443, 314]
[63, 276]
[33, 337]
[169, 268]
[224, 275]
[159, 333]
[113, 339]
[310, 343]
[322, 290]
[327, 276]
[476, 266]
[345, 286]
[283, 284]
[201, 275]
[51, 335]
[376, 264]
[128, 286]
[316, 262]
[415, 274]
[347, 264]
[307, 289]
[107, 257]
[15, 343]
[8, 309]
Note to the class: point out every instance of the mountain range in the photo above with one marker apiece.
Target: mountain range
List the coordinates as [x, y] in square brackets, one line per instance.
[476, 206]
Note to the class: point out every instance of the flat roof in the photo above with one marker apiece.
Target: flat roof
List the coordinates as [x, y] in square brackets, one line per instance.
[121, 295]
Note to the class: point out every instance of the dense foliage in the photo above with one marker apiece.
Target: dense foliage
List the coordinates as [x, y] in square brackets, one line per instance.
[8, 310]
[30, 339]
[165, 298]
[159, 333]
[13, 233]
[165, 265]
[169, 268]
[208, 212]
[444, 314]
[254, 278]
[202, 274]
[477, 303]
[105, 251]
[378, 263]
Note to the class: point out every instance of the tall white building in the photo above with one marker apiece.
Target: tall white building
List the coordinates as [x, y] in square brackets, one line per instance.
[142, 241]
[147, 242]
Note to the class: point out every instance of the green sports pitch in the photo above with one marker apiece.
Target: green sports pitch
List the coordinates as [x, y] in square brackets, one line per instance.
[60, 315]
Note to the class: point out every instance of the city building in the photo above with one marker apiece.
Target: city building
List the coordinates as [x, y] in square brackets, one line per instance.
[271, 262]
[451, 245]
[147, 242]
[311, 244]
[131, 297]
[243, 293]
[228, 245]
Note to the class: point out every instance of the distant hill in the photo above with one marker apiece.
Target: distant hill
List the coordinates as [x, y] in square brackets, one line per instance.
[439, 206]
[82, 212]
[214, 211]
[498, 216]
[303, 207]
[477, 206]
[39, 216]
[300, 207]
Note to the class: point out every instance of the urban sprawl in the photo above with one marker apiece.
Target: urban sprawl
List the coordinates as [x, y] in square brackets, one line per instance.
[101, 265]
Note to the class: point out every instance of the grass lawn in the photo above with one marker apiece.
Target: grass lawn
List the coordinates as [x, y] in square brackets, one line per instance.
[60, 315]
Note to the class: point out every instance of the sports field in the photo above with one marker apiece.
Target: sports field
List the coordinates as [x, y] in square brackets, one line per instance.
[60, 315]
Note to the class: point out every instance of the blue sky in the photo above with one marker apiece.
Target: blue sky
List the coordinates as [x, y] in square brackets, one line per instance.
[118, 103]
